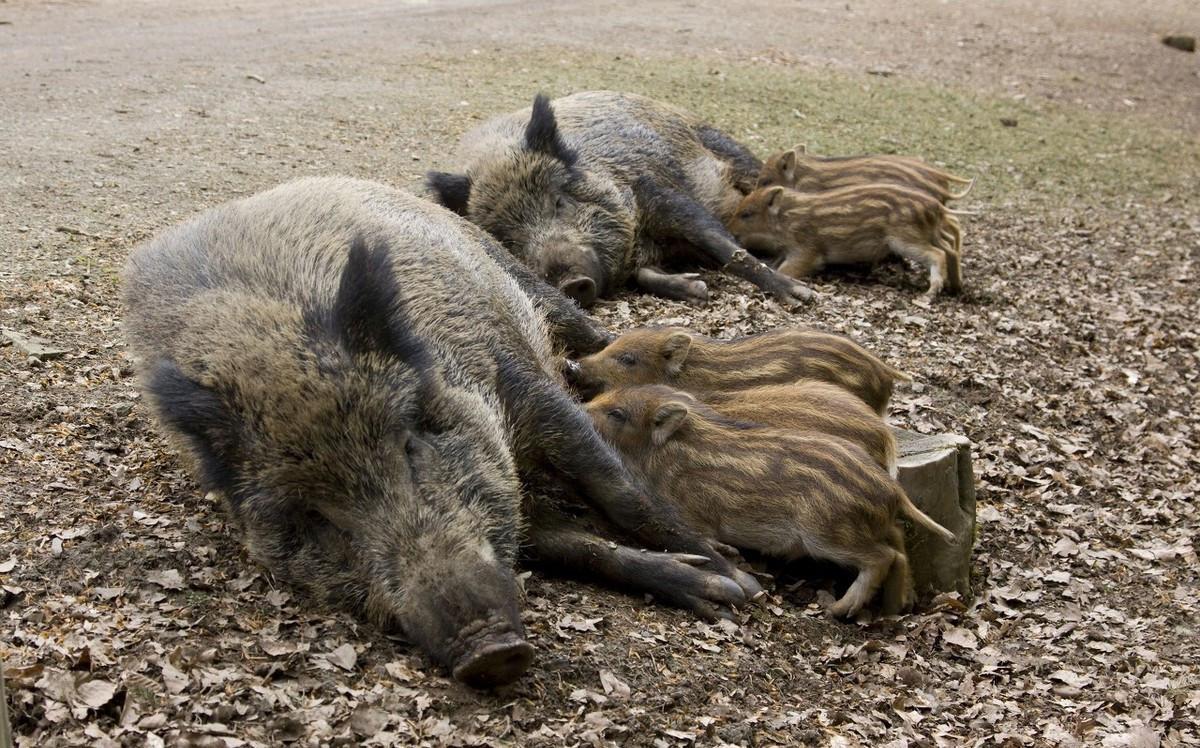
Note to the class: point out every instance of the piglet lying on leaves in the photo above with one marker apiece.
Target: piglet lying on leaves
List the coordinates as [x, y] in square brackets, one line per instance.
[702, 365]
[809, 405]
[788, 494]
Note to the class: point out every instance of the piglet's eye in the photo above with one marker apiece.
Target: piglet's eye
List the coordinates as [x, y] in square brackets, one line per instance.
[627, 359]
[746, 215]
[618, 415]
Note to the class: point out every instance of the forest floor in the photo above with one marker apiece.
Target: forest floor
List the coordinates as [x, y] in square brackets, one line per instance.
[130, 615]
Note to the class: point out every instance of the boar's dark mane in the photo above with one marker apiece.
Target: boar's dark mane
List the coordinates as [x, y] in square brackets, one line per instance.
[541, 134]
[452, 191]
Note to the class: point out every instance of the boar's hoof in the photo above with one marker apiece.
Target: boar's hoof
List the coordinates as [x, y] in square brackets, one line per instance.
[580, 288]
[791, 293]
[496, 661]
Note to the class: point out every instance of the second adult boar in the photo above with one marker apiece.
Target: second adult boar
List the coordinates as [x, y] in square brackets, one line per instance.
[703, 365]
[598, 189]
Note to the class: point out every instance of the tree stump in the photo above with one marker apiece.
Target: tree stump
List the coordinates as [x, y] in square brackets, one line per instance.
[936, 473]
[6, 740]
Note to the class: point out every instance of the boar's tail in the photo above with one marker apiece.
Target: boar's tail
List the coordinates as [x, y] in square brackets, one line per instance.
[959, 180]
[955, 212]
[911, 511]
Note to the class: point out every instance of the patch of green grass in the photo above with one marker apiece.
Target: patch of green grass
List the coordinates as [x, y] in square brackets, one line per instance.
[1055, 152]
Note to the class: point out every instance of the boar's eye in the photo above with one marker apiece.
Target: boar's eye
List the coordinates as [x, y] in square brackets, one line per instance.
[618, 415]
[746, 214]
[627, 359]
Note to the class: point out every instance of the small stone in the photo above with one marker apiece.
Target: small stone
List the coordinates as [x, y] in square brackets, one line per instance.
[33, 346]
[1182, 43]
[1008, 121]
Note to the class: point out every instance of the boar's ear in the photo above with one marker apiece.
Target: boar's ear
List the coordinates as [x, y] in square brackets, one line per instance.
[667, 419]
[787, 164]
[800, 149]
[774, 200]
[675, 350]
[541, 134]
[201, 416]
[367, 313]
[452, 191]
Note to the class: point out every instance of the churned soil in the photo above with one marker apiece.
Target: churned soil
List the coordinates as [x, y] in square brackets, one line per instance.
[130, 615]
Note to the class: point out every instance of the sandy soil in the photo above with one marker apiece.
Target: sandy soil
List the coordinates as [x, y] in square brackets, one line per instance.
[129, 614]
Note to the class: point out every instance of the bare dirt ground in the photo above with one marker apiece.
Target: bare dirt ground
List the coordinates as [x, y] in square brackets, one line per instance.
[129, 614]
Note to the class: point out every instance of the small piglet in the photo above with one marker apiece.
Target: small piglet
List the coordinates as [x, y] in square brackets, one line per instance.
[799, 170]
[852, 225]
[810, 405]
[788, 494]
[703, 365]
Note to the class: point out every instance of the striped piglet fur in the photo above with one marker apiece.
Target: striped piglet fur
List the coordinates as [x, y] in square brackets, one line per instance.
[784, 493]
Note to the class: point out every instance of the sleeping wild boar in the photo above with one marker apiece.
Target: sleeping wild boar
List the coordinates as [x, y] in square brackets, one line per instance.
[368, 380]
[599, 189]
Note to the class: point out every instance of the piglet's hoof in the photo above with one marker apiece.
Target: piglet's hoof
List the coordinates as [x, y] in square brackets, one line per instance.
[495, 661]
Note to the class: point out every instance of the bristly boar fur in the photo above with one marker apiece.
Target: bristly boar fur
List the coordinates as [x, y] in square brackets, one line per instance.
[598, 189]
[368, 379]
[702, 365]
[811, 405]
[798, 169]
[784, 493]
[863, 224]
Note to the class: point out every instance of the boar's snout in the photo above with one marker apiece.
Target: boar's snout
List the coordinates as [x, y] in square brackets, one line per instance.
[580, 288]
[496, 661]
[471, 624]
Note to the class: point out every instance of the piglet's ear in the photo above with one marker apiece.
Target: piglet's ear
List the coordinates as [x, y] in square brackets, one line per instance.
[541, 134]
[667, 420]
[774, 200]
[675, 350]
[787, 164]
[453, 191]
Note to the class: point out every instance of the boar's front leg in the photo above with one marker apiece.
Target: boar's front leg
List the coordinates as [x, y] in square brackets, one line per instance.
[678, 286]
[550, 426]
[670, 212]
[672, 578]
[569, 325]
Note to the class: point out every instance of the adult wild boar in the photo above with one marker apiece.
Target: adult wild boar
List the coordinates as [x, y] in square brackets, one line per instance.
[367, 379]
[602, 188]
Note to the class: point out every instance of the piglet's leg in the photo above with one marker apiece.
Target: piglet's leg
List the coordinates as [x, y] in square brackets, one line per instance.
[672, 578]
[674, 213]
[550, 427]
[927, 255]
